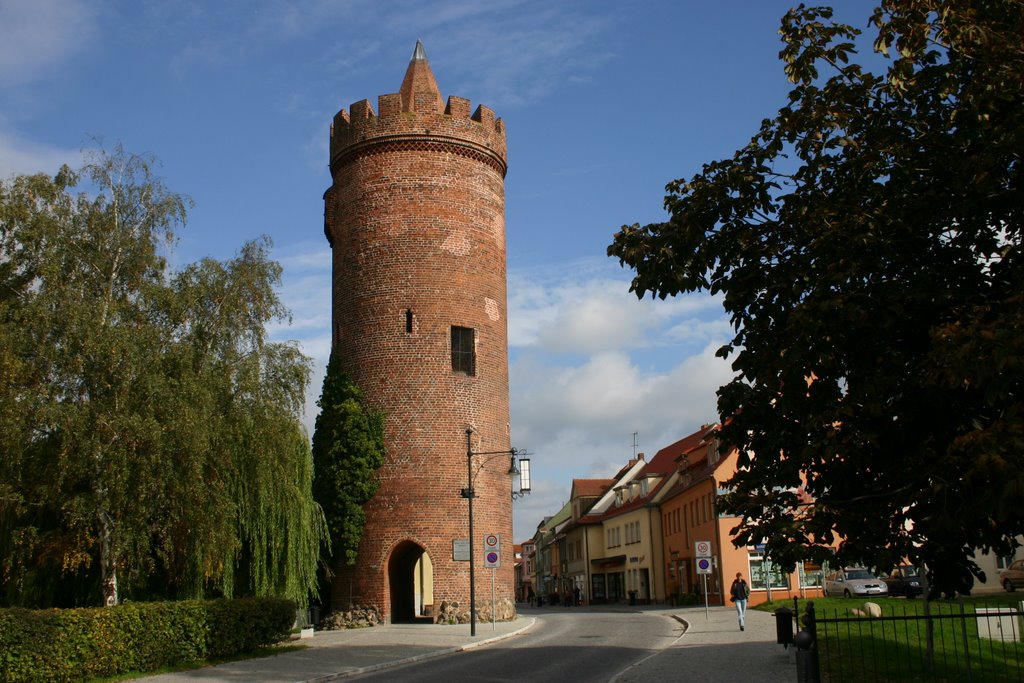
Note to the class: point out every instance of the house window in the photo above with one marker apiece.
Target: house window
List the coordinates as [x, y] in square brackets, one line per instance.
[464, 350]
[1003, 562]
[408, 321]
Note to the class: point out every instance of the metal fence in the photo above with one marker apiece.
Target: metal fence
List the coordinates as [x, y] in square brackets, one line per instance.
[911, 641]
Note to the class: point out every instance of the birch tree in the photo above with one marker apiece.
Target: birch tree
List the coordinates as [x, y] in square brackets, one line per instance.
[154, 433]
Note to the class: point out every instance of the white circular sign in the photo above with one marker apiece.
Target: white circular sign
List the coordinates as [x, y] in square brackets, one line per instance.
[703, 548]
[491, 541]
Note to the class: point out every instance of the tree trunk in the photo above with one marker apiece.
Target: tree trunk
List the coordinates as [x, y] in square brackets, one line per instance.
[108, 561]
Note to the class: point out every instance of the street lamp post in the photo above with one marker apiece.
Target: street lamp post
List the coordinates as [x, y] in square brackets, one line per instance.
[469, 494]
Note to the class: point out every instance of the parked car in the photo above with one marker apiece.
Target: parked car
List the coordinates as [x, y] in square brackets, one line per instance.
[1012, 577]
[854, 581]
[904, 580]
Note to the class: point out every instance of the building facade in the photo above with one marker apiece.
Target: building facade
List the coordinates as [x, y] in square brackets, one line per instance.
[415, 217]
[634, 538]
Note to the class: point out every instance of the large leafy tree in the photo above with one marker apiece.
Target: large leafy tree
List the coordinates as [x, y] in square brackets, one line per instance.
[348, 449]
[867, 246]
[151, 434]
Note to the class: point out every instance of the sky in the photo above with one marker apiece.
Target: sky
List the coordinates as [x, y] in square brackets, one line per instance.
[604, 101]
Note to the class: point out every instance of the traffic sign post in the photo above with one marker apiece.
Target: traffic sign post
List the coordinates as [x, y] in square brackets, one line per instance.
[702, 550]
[492, 560]
[492, 551]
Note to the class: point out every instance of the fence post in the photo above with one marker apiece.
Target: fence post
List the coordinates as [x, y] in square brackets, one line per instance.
[806, 642]
[963, 635]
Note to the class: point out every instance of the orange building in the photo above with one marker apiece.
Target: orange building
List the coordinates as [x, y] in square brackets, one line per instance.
[690, 515]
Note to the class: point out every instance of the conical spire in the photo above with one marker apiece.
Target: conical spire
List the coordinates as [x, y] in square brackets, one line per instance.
[419, 89]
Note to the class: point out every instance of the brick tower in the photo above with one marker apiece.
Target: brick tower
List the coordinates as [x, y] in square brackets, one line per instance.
[416, 221]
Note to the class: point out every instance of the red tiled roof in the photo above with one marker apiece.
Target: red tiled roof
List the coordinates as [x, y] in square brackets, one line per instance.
[591, 488]
[685, 445]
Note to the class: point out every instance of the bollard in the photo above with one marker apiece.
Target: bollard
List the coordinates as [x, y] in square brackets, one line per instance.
[806, 658]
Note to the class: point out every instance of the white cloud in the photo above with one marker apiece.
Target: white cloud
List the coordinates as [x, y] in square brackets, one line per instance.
[18, 156]
[592, 364]
[40, 35]
[306, 291]
[581, 307]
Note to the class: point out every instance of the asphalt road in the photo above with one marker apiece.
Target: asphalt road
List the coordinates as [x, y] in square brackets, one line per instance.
[566, 647]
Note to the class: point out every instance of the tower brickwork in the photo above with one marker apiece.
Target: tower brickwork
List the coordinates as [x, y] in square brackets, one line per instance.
[416, 221]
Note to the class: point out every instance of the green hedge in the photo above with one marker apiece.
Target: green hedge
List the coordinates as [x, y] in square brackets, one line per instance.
[81, 644]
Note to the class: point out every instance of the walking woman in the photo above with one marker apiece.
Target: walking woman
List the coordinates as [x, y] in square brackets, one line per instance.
[740, 591]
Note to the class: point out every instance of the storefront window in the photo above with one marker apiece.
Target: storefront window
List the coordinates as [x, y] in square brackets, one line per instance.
[758, 570]
[810, 575]
[597, 588]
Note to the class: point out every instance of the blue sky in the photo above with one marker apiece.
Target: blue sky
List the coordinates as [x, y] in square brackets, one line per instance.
[604, 101]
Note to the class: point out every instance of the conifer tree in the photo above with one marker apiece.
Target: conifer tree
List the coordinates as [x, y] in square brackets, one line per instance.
[348, 449]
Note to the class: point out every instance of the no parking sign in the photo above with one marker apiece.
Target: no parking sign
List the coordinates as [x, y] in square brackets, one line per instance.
[702, 550]
[492, 558]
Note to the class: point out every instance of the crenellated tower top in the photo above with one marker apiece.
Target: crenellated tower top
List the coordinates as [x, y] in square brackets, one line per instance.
[415, 118]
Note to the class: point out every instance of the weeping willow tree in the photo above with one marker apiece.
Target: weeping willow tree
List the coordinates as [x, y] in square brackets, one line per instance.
[152, 434]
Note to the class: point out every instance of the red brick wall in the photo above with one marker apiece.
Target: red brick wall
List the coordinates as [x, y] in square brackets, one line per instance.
[416, 220]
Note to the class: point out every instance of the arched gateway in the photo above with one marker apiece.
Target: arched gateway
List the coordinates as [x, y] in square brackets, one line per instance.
[410, 582]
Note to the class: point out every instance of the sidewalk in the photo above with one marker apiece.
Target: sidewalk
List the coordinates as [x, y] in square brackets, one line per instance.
[714, 649]
[335, 655]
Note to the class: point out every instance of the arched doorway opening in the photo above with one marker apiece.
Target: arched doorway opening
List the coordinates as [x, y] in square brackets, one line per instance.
[411, 583]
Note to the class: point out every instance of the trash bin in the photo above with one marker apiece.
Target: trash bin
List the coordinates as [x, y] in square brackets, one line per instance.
[314, 615]
[632, 597]
[784, 626]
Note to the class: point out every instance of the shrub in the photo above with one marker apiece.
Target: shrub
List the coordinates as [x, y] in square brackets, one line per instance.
[76, 644]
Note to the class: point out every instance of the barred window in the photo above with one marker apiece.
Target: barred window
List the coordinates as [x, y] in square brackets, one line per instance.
[464, 350]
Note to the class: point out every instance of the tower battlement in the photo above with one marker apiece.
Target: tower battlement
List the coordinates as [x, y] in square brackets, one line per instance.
[415, 115]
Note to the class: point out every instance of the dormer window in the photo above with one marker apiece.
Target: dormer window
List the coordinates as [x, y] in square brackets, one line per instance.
[713, 451]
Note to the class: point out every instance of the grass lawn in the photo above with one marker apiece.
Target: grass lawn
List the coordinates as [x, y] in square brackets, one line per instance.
[894, 647]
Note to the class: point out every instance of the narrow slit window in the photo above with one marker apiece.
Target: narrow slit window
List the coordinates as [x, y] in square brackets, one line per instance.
[464, 350]
[408, 321]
